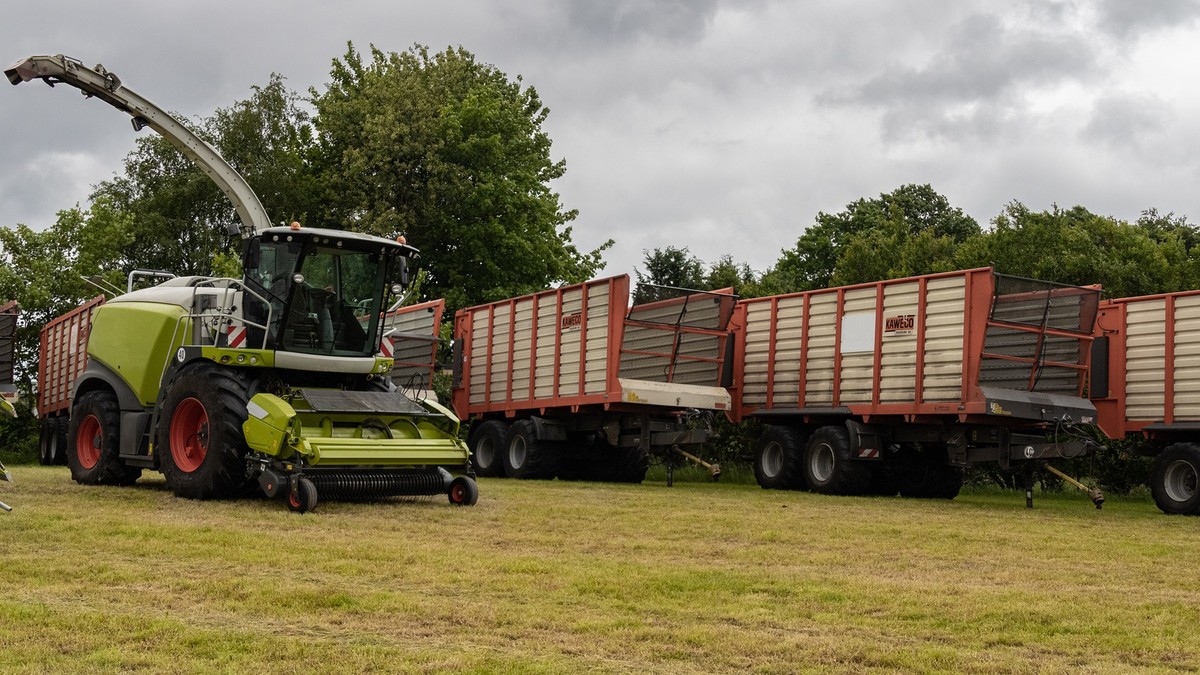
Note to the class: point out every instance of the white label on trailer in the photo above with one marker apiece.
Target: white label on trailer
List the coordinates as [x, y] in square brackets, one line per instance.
[858, 332]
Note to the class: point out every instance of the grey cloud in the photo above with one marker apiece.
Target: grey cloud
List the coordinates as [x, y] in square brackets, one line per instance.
[1126, 19]
[628, 20]
[1122, 121]
[971, 84]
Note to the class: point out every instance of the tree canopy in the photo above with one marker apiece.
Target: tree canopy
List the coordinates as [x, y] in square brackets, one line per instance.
[451, 153]
[908, 231]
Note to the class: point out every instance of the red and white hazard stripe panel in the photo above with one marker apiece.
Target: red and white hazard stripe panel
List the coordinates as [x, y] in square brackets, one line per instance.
[236, 336]
[386, 349]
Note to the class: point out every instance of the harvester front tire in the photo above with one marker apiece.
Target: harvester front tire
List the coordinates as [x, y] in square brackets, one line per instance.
[463, 491]
[525, 455]
[487, 446]
[304, 499]
[94, 438]
[200, 445]
[779, 459]
[829, 468]
[1175, 479]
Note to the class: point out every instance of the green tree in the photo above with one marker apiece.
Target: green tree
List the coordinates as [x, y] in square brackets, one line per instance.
[670, 266]
[180, 216]
[910, 230]
[1075, 246]
[726, 273]
[46, 271]
[451, 153]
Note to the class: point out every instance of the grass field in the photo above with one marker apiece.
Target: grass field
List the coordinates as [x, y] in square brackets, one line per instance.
[577, 577]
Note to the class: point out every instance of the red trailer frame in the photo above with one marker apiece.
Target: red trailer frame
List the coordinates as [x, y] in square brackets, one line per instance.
[579, 363]
[62, 358]
[864, 386]
[1145, 381]
[413, 334]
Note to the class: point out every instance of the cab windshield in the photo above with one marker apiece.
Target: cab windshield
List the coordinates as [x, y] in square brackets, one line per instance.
[324, 299]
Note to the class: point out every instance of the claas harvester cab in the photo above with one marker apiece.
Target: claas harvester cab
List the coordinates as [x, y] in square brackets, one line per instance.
[278, 380]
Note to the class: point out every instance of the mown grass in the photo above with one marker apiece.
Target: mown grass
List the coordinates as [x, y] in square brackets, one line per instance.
[577, 577]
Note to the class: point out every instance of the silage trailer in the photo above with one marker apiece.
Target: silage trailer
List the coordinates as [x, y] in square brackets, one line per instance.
[898, 385]
[575, 382]
[1145, 380]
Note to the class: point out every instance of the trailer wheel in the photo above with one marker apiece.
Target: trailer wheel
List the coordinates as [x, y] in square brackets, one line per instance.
[93, 442]
[45, 441]
[828, 466]
[629, 465]
[1175, 479]
[779, 457]
[463, 491]
[487, 445]
[304, 499]
[883, 481]
[58, 441]
[577, 461]
[926, 474]
[526, 456]
[200, 445]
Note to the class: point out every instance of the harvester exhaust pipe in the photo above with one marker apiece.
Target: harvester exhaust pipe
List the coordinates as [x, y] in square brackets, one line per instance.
[1095, 494]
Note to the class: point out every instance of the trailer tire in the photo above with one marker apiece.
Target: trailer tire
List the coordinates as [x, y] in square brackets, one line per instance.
[58, 441]
[200, 444]
[629, 465]
[883, 481]
[926, 475]
[829, 467]
[487, 446]
[577, 461]
[94, 442]
[525, 455]
[779, 459]
[45, 442]
[1175, 479]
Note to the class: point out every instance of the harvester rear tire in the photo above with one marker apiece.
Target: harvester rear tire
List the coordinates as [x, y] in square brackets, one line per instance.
[94, 438]
[1175, 479]
[463, 491]
[779, 459]
[304, 499]
[487, 446]
[829, 467]
[200, 445]
[527, 456]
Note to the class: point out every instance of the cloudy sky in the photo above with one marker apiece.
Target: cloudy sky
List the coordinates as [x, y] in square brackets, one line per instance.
[724, 127]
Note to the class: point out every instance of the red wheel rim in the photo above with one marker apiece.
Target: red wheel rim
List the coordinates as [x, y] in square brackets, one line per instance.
[294, 499]
[458, 493]
[88, 442]
[189, 435]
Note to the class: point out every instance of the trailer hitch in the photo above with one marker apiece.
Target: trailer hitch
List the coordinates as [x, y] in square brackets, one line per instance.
[714, 469]
[1094, 494]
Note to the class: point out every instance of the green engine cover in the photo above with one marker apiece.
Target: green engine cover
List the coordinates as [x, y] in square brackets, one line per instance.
[135, 339]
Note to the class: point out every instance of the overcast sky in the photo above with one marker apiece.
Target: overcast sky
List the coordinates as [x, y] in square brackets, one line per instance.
[724, 127]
